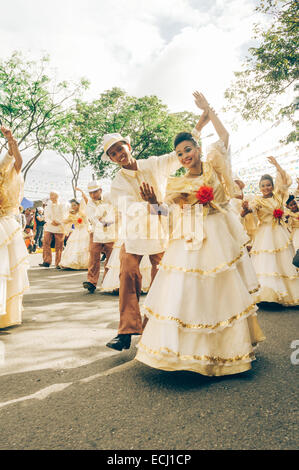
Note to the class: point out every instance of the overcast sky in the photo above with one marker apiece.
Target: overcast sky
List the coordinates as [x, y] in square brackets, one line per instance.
[164, 47]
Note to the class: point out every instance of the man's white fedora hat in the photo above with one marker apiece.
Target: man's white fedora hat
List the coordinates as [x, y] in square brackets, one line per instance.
[111, 139]
[94, 185]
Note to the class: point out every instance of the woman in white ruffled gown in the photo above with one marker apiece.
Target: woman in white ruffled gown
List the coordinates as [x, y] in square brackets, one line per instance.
[200, 308]
[292, 214]
[76, 253]
[272, 250]
[13, 252]
[111, 280]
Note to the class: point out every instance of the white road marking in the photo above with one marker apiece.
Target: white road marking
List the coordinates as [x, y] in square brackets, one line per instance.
[47, 391]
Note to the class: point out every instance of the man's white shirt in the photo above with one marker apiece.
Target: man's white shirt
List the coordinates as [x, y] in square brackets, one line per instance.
[142, 232]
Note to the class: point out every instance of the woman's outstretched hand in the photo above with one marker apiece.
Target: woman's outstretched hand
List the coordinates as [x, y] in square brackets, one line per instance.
[272, 160]
[201, 101]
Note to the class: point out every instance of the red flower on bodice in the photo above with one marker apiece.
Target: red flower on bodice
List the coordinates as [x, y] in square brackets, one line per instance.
[205, 194]
[278, 213]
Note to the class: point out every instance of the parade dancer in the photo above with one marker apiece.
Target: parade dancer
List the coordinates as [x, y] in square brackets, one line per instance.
[13, 252]
[95, 212]
[55, 213]
[272, 250]
[202, 315]
[143, 233]
[75, 255]
[292, 215]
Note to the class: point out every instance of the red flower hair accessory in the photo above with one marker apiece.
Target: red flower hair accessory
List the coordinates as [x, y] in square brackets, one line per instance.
[205, 194]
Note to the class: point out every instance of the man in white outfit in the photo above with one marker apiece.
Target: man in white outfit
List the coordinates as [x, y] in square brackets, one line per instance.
[102, 244]
[141, 240]
[55, 213]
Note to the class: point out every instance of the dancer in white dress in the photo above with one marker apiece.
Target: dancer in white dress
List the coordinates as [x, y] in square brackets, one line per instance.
[202, 315]
[111, 280]
[76, 253]
[13, 252]
[292, 214]
[272, 250]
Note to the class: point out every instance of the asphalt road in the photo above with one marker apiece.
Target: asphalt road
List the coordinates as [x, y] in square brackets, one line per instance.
[61, 388]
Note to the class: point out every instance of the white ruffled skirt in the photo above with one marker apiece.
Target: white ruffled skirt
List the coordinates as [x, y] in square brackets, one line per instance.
[272, 254]
[295, 235]
[201, 305]
[13, 272]
[76, 253]
[111, 280]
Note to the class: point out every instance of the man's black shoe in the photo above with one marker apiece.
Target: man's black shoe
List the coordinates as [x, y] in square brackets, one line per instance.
[89, 286]
[44, 265]
[120, 342]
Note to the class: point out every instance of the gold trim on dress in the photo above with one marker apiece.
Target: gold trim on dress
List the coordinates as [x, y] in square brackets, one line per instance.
[170, 267]
[9, 276]
[20, 262]
[18, 294]
[201, 326]
[276, 297]
[11, 236]
[255, 290]
[283, 276]
[277, 250]
[186, 357]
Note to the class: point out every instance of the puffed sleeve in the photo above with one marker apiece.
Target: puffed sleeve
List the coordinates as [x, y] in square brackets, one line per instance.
[82, 207]
[280, 187]
[219, 157]
[6, 163]
[167, 164]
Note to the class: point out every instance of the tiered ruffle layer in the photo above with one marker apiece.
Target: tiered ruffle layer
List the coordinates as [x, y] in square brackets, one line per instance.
[76, 253]
[272, 254]
[201, 305]
[111, 280]
[13, 272]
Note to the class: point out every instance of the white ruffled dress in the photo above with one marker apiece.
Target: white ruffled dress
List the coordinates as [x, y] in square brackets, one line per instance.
[13, 252]
[111, 280]
[201, 306]
[76, 253]
[273, 251]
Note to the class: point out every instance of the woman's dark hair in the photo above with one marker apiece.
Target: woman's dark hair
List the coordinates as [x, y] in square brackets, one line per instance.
[267, 177]
[290, 199]
[74, 200]
[181, 136]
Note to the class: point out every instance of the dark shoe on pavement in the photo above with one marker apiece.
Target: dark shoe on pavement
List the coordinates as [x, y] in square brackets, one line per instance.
[89, 286]
[57, 267]
[44, 265]
[120, 342]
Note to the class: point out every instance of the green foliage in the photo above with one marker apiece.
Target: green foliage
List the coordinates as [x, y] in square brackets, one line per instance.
[146, 120]
[45, 114]
[271, 68]
[33, 103]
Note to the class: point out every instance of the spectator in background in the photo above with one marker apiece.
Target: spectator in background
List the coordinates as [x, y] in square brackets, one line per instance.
[29, 238]
[40, 222]
[20, 218]
[29, 217]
